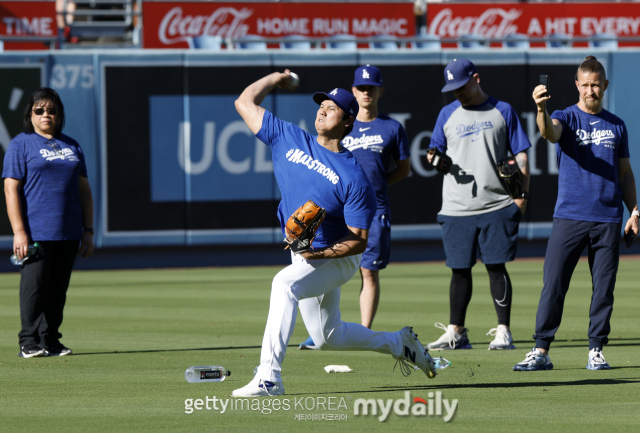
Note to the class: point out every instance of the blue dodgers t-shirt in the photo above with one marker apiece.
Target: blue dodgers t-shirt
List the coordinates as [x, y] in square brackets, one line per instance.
[374, 144]
[307, 171]
[50, 203]
[588, 153]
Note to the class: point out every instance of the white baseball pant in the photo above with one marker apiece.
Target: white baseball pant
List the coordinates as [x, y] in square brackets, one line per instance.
[314, 286]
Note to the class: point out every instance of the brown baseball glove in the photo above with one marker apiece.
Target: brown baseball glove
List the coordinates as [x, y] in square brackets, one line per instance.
[511, 177]
[302, 225]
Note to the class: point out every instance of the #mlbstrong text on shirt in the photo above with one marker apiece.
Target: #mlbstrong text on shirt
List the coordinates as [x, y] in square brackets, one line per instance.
[364, 142]
[62, 154]
[475, 128]
[299, 157]
[596, 136]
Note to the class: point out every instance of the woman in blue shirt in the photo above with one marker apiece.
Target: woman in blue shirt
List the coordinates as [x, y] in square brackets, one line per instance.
[49, 201]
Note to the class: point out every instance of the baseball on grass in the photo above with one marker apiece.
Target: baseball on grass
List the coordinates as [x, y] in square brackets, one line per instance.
[294, 80]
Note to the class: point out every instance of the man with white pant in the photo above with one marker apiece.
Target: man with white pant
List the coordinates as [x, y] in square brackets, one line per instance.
[318, 168]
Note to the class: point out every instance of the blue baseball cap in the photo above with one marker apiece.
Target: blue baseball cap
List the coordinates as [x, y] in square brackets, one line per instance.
[457, 73]
[342, 98]
[367, 76]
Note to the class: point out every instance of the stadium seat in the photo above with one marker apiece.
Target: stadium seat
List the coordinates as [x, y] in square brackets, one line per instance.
[296, 42]
[517, 41]
[604, 40]
[383, 42]
[426, 42]
[558, 41]
[251, 42]
[206, 42]
[341, 42]
[472, 42]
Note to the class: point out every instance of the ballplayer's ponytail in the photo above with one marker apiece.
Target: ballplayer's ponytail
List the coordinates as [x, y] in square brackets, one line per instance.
[591, 65]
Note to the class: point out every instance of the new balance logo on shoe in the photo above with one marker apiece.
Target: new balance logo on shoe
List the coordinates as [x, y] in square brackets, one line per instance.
[410, 354]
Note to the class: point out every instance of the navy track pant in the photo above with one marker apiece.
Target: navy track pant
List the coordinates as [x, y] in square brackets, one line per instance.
[566, 243]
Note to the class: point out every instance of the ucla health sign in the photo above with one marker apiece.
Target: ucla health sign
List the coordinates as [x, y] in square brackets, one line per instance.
[199, 143]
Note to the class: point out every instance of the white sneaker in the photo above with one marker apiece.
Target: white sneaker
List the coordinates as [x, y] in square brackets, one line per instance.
[503, 340]
[259, 388]
[450, 340]
[535, 360]
[597, 361]
[413, 352]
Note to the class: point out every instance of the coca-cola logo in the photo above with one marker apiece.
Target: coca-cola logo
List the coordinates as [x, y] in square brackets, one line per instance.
[226, 22]
[493, 23]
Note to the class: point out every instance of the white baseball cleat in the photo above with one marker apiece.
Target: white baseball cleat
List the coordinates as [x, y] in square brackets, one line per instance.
[259, 388]
[597, 361]
[415, 353]
[503, 340]
[450, 339]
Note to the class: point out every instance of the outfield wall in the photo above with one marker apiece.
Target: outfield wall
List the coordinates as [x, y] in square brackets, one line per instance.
[171, 162]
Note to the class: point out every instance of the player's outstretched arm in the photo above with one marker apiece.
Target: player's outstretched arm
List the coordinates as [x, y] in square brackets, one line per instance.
[550, 128]
[248, 104]
[354, 243]
[628, 187]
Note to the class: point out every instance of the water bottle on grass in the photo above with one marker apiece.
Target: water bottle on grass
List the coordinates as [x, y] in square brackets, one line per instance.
[206, 373]
[441, 364]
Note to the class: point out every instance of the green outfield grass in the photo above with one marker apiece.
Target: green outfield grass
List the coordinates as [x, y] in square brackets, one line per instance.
[135, 332]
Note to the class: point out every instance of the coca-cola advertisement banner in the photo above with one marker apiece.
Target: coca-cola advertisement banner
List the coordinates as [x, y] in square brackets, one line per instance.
[172, 24]
[536, 20]
[27, 19]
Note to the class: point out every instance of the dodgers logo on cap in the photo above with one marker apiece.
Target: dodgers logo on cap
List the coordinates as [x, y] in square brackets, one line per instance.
[367, 76]
[457, 74]
[342, 98]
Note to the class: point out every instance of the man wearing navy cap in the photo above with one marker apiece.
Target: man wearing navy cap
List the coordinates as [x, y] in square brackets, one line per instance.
[318, 168]
[376, 139]
[478, 217]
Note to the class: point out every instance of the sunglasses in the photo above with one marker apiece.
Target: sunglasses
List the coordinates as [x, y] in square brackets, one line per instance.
[40, 110]
[55, 146]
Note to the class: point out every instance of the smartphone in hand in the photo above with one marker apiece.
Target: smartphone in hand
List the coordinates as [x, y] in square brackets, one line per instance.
[629, 238]
[544, 80]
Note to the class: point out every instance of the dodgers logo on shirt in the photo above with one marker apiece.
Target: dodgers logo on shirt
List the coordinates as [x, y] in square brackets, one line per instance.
[597, 137]
[364, 142]
[61, 154]
[475, 128]
[298, 156]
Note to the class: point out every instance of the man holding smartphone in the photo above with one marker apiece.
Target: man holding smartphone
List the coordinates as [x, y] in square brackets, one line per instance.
[477, 132]
[594, 179]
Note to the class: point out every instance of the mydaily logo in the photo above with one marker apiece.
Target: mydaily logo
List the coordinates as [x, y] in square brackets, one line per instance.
[403, 407]
[298, 156]
[475, 128]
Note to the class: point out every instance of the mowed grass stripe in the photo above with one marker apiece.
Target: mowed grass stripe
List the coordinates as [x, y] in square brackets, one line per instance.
[135, 332]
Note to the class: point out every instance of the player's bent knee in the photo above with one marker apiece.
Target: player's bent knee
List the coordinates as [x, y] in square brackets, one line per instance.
[281, 283]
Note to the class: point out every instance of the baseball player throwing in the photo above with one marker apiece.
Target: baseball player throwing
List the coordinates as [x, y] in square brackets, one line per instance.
[318, 168]
[376, 139]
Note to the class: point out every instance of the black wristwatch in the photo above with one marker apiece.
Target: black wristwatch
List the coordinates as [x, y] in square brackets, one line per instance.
[525, 195]
[91, 230]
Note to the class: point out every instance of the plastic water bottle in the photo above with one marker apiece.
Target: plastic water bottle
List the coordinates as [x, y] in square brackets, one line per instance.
[15, 260]
[441, 364]
[206, 373]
